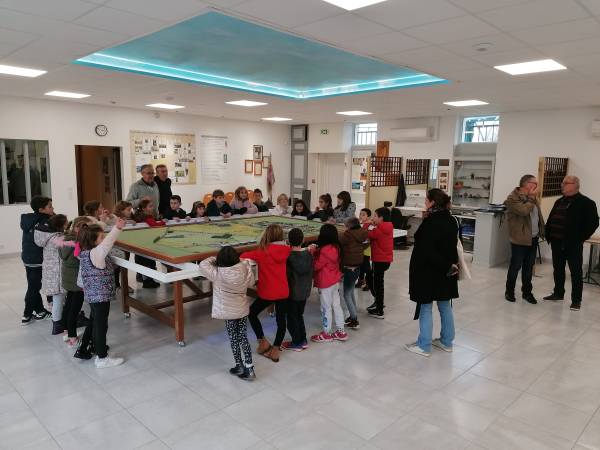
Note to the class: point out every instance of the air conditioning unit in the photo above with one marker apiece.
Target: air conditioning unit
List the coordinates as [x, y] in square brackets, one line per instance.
[420, 134]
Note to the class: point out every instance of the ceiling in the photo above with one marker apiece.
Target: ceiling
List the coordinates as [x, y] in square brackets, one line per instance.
[433, 36]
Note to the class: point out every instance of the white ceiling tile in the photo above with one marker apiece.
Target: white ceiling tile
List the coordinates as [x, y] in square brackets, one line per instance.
[442, 67]
[571, 48]
[288, 13]
[455, 29]
[6, 48]
[384, 43]
[533, 14]
[419, 56]
[592, 5]
[16, 37]
[400, 14]
[51, 50]
[560, 32]
[117, 21]
[499, 43]
[340, 29]
[224, 3]
[474, 6]
[65, 10]
[509, 57]
[160, 9]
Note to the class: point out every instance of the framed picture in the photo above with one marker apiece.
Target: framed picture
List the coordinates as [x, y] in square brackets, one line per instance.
[248, 166]
[257, 151]
[258, 168]
[266, 161]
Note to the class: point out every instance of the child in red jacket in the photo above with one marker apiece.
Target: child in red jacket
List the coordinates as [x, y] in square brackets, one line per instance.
[327, 255]
[381, 237]
[272, 287]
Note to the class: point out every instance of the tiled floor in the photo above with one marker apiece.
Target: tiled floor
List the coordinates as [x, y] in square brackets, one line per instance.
[521, 377]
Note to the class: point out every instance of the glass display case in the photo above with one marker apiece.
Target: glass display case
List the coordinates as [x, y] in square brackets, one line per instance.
[472, 182]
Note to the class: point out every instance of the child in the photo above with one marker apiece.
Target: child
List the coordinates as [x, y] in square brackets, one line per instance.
[323, 212]
[32, 257]
[124, 210]
[327, 256]
[345, 208]
[299, 275]
[282, 208]
[382, 254]
[198, 210]
[97, 274]
[300, 209]
[175, 211]
[69, 272]
[231, 278]
[145, 213]
[217, 207]
[353, 245]
[365, 268]
[95, 211]
[272, 287]
[241, 204]
[258, 201]
[50, 237]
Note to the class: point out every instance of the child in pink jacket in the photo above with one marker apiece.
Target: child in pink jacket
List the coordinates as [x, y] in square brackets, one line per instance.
[327, 255]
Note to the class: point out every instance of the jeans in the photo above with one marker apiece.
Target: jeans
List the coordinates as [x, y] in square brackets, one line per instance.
[426, 325]
[330, 300]
[99, 317]
[57, 307]
[33, 299]
[522, 258]
[350, 277]
[73, 305]
[238, 338]
[376, 283]
[280, 317]
[295, 321]
[573, 256]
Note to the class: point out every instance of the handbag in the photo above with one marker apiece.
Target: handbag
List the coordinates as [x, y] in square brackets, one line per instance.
[464, 273]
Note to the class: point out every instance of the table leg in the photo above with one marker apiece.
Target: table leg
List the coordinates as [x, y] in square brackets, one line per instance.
[178, 306]
[125, 292]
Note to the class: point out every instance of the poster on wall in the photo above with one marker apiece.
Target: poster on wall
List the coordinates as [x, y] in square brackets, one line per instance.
[176, 151]
[213, 158]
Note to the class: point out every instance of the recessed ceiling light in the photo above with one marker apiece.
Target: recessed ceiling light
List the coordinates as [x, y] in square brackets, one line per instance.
[277, 119]
[460, 103]
[21, 71]
[354, 113]
[248, 103]
[164, 106]
[66, 94]
[353, 4]
[543, 65]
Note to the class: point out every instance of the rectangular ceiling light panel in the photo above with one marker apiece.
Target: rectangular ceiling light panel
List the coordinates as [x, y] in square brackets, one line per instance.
[543, 65]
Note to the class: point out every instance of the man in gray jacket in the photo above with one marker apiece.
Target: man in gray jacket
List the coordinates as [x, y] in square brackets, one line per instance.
[525, 227]
[145, 187]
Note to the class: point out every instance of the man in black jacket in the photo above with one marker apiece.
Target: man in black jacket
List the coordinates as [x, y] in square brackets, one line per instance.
[163, 182]
[573, 219]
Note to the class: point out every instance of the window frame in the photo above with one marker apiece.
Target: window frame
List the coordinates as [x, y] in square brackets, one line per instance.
[368, 134]
[495, 133]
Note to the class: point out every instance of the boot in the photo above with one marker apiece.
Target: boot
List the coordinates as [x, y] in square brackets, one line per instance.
[237, 370]
[247, 374]
[263, 346]
[273, 354]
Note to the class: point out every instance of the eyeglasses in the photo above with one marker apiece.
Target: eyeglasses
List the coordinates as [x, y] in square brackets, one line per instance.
[567, 182]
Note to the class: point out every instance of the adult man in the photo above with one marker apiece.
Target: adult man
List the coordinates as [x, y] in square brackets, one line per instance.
[145, 187]
[573, 219]
[525, 228]
[163, 182]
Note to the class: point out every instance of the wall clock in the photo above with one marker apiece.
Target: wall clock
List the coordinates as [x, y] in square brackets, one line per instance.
[101, 130]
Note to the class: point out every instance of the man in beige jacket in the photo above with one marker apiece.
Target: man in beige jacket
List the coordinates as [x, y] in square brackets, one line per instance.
[526, 227]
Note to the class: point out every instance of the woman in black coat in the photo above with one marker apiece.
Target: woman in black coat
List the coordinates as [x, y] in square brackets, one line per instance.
[433, 273]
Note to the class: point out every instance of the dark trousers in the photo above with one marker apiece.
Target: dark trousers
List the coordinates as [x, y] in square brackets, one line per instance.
[522, 258]
[365, 268]
[33, 299]
[572, 255]
[73, 304]
[99, 321]
[146, 262]
[280, 317]
[238, 338]
[376, 282]
[295, 321]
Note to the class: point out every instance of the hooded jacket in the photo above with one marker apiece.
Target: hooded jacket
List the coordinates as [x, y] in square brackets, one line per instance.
[31, 254]
[353, 246]
[300, 274]
[382, 242]
[272, 270]
[51, 266]
[518, 216]
[327, 266]
[229, 299]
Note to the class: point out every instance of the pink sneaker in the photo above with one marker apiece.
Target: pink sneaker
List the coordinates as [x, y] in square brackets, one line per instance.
[322, 337]
[340, 335]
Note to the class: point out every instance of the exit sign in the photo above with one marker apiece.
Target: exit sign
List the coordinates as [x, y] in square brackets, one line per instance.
[324, 131]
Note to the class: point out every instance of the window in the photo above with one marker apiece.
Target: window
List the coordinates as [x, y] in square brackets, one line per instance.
[24, 170]
[365, 134]
[481, 129]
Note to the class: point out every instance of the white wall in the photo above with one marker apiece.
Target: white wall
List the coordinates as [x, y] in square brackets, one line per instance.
[337, 140]
[65, 125]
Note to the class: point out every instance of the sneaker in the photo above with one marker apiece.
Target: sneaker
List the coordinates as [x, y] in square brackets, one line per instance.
[340, 335]
[304, 345]
[529, 298]
[26, 320]
[289, 345]
[554, 297]
[82, 321]
[82, 354]
[575, 306]
[322, 337]
[44, 314]
[353, 325]
[149, 283]
[237, 370]
[373, 306]
[376, 314]
[347, 321]
[414, 348]
[247, 374]
[57, 328]
[509, 297]
[437, 343]
[105, 363]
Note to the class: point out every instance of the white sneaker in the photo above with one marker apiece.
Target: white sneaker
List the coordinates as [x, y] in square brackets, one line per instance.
[437, 343]
[414, 348]
[105, 363]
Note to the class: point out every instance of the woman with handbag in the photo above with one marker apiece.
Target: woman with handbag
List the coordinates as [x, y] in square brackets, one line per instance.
[433, 273]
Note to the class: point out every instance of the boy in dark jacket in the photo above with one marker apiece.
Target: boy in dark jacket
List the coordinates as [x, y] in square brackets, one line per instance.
[218, 207]
[353, 245]
[299, 275]
[174, 211]
[32, 257]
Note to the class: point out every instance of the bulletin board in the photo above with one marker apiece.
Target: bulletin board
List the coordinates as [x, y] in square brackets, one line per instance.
[176, 151]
